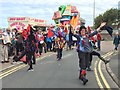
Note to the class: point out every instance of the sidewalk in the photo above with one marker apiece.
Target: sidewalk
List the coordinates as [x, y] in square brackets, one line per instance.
[113, 67]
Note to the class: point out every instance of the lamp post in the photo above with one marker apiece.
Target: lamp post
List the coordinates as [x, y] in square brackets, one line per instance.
[93, 12]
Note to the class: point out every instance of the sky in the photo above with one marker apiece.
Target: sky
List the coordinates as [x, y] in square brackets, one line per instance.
[44, 9]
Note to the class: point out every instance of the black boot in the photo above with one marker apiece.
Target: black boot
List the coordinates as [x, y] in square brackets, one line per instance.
[89, 69]
[105, 61]
[84, 81]
[80, 76]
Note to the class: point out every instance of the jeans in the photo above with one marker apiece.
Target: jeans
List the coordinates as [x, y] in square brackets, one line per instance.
[98, 44]
[116, 46]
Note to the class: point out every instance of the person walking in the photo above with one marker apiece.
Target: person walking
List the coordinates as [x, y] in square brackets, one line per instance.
[19, 42]
[6, 36]
[99, 41]
[1, 46]
[59, 44]
[116, 40]
[30, 50]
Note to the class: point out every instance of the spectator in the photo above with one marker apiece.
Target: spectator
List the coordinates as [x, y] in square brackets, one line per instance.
[98, 41]
[7, 36]
[19, 42]
[1, 46]
[116, 40]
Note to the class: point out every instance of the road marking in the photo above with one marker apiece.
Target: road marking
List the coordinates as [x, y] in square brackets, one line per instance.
[100, 71]
[12, 71]
[97, 78]
[101, 74]
[2, 75]
[66, 55]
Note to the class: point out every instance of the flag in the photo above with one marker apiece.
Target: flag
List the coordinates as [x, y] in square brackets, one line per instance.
[89, 30]
[28, 28]
[74, 21]
[24, 34]
[108, 28]
[23, 59]
[50, 33]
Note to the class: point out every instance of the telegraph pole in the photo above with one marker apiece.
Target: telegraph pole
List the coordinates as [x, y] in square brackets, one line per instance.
[93, 12]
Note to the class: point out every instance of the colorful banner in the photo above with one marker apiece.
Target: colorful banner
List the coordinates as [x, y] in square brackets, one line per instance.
[22, 22]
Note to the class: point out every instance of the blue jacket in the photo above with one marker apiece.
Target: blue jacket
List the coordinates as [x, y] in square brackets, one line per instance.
[87, 47]
[116, 40]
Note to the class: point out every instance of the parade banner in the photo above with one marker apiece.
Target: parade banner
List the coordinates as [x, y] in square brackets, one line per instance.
[21, 23]
[37, 22]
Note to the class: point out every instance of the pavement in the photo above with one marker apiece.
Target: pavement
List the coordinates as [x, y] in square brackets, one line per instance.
[113, 67]
[54, 74]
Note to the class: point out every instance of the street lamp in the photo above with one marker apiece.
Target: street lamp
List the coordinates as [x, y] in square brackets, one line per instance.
[93, 12]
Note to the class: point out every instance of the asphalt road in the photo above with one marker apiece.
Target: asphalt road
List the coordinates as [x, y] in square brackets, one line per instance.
[50, 73]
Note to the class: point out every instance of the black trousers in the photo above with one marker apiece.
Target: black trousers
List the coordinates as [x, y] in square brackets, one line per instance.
[19, 47]
[30, 57]
[49, 46]
[84, 59]
[94, 53]
[59, 53]
[40, 46]
[91, 54]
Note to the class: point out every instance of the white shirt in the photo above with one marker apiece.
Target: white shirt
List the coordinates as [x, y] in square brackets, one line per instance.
[6, 38]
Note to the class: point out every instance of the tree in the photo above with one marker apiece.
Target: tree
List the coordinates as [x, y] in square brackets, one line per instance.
[109, 16]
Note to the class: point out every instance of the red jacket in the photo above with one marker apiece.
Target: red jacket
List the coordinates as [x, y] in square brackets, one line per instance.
[99, 36]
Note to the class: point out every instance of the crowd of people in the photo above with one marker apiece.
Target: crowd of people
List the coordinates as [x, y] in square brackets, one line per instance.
[25, 45]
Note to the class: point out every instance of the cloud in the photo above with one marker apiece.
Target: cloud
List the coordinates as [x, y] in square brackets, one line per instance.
[44, 9]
